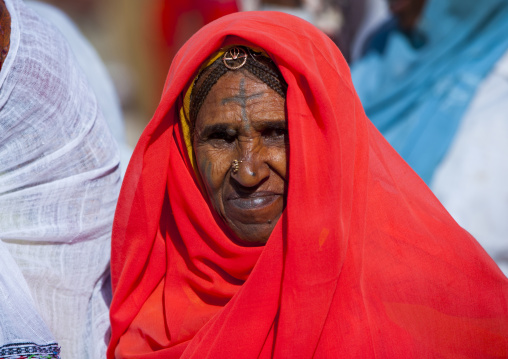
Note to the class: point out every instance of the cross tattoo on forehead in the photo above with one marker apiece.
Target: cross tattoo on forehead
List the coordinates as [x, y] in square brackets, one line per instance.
[242, 99]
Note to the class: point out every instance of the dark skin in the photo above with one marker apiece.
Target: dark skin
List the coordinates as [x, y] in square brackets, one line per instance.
[5, 32]
[243, 119]
[407, 12]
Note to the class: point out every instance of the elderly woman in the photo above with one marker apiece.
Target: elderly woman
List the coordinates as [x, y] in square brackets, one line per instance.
[263, 215]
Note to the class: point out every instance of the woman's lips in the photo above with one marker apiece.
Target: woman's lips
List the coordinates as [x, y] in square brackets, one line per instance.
[253, 201]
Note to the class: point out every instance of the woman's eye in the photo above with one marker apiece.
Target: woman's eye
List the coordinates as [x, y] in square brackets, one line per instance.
[275, 133]
[222, 136]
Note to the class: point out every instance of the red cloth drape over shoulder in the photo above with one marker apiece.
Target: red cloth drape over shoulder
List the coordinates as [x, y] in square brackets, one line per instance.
[364, 262]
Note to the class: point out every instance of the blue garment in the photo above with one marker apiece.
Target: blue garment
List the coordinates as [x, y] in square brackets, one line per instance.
[379, 38]
[417, 96]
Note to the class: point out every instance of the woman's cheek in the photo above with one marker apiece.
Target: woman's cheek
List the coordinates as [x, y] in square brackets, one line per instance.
[213, 167]
[278, 161]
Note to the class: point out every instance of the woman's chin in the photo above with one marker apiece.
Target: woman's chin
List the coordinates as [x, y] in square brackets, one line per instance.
[253, 234]
[253, 222]
[253, 219]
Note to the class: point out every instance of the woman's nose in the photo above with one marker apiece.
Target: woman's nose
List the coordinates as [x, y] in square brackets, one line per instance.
[251, 169]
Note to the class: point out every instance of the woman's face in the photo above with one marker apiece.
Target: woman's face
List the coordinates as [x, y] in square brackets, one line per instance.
[243, 119]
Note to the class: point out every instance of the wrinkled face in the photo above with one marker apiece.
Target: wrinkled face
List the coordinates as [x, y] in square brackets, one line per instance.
[243, 119]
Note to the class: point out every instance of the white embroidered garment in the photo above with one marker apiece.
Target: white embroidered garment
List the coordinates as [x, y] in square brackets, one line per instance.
[59, 182]
[21, 327]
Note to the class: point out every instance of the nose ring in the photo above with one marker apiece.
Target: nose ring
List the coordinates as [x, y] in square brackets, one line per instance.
[235, 166]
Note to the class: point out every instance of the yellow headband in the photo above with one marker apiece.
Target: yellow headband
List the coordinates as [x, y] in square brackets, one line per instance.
[184, 112]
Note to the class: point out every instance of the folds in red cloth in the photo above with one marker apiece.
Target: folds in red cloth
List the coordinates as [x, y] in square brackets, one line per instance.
[364, 262]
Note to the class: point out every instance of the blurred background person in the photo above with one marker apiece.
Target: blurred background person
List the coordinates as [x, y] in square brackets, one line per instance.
[304, 9]
[346, 22]
[361, 18]
[403, 18]
[434, 80]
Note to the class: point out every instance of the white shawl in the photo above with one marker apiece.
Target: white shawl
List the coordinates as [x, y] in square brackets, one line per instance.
[59, 182]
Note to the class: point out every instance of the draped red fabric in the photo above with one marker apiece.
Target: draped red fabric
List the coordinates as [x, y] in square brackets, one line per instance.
[364, 262]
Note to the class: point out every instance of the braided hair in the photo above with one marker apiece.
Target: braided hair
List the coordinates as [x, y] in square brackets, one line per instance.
[258, 65]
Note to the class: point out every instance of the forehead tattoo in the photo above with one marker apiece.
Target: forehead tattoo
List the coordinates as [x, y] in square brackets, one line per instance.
[257, 64]
[242, 99]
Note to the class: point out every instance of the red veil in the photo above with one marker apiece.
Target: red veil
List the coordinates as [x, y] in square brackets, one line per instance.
[364, 262]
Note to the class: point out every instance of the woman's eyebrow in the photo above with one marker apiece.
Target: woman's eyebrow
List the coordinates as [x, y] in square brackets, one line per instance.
[214, 128]
[258, 125]
[270, 124]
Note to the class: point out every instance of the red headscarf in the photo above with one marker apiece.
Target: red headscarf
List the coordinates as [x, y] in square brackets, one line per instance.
[364, 262]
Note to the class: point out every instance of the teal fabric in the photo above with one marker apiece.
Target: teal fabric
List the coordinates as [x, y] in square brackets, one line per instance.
[417, 97]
